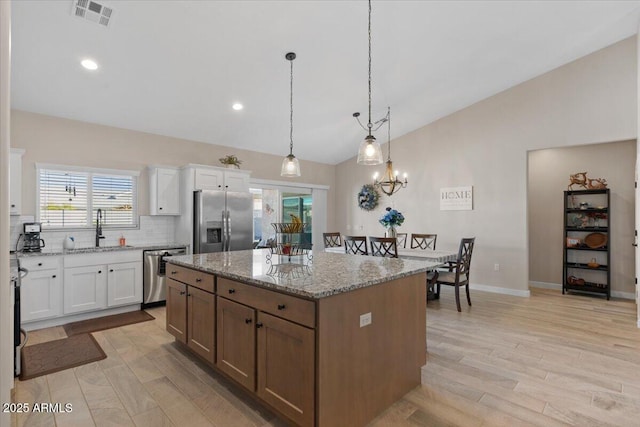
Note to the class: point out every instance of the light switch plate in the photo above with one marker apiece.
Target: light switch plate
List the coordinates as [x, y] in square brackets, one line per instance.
[365, 319]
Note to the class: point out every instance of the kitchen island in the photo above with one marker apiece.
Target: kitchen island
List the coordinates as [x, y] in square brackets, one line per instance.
[324, 340]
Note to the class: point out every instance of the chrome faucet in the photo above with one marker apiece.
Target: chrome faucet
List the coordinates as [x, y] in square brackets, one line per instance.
[98, 228]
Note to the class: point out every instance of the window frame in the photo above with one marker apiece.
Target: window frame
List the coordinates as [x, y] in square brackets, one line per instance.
[134, 175]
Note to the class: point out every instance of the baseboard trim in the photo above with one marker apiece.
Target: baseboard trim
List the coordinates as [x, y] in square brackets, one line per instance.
[558, 286]
[545, 285]
[62, 320]
[499, 290]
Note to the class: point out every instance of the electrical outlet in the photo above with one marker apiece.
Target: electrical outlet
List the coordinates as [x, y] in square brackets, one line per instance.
[365, 319]
[496, 267]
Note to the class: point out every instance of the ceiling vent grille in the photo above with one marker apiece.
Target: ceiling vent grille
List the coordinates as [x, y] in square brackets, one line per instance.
[92, 11]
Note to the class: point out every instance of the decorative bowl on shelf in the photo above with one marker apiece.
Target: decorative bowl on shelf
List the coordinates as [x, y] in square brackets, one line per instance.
[592, 264]
[595, 240]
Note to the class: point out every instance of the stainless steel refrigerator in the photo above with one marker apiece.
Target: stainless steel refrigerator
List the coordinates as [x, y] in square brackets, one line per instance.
[222, 221]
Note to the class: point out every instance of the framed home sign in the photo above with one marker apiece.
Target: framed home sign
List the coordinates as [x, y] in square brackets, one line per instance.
[456, 198]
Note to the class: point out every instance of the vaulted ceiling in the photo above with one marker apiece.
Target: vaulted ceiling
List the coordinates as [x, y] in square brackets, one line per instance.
[176, 67]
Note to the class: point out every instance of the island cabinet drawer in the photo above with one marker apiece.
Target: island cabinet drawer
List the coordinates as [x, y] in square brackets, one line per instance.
[285, 306]
[197, 279]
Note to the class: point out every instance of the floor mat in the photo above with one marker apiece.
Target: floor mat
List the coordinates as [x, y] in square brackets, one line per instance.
[106, 322]
[53, 356]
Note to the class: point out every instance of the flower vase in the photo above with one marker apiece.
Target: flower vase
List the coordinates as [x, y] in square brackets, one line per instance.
[391, 232]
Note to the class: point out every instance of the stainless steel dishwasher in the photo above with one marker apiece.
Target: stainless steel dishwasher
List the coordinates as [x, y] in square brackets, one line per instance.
[154, 274]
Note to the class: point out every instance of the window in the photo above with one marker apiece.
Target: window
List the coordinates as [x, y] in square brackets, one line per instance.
[70, 197]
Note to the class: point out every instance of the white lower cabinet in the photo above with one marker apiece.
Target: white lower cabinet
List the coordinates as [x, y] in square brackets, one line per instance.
[104, 280]
[124, 283]
[41, 289]
[85, 288]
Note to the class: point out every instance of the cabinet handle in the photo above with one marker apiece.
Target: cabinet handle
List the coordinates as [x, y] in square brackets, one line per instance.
[13, 206]
[219, 186]
[182, 292]
[174, 272]
[111, 270]
[160, 208]
[188, 295]
[226, 186]
[259, 325]
[99, 271]
[39, 264]
[281, 306]
[54, 276]
[232, 291]
[198, 280]
[247, 321]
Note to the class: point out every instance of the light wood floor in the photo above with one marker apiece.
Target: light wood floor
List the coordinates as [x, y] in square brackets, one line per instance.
[507, 361]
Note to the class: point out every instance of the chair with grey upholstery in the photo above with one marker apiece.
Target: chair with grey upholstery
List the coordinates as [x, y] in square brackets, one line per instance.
[458, 274]
[332, 240]
[384, 246]
[423, 241]
[356, 245]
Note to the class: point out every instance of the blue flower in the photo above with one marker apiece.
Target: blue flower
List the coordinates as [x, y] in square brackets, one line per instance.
[391, 218]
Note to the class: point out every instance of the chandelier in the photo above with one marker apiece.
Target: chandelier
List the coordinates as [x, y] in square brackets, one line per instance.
[290, 165]
[389, 183]
[369, 152]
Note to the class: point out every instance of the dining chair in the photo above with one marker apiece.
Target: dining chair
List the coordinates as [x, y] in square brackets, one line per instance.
[384, 246]
[356, 245]
[423, 241]
[458, 274]
[402, 240]
[332, 240]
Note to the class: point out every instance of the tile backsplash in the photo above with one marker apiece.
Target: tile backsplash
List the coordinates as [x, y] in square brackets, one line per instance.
[153, 230]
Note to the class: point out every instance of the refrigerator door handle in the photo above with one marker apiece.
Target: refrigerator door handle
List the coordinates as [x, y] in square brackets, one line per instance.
[228, 231]
[225, 237]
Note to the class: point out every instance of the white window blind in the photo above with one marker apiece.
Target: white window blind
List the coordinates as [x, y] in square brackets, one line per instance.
[71, 198]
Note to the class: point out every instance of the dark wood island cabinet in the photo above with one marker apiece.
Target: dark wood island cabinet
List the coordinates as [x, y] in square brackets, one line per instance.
[332, 340]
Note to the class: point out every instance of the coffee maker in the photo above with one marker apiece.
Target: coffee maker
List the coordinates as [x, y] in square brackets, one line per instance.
[32, 240]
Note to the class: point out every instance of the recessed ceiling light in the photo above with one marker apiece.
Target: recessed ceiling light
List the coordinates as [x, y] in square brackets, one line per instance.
[89, 64]
[237, 106]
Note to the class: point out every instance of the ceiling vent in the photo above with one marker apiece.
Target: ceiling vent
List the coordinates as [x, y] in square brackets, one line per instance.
[92, 11]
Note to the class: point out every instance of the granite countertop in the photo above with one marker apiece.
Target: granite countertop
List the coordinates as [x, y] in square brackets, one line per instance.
[91, 250]
[322, 275]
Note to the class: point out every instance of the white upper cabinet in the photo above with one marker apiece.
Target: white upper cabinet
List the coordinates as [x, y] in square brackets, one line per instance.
[210, 178]
[236, 181]
[164, 191]
[15, 181]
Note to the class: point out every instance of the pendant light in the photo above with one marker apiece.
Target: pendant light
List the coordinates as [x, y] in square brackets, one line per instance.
[290, 165]
[389, 182]
[369, 152]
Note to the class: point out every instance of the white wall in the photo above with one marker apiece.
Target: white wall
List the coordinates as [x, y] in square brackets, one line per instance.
[549, 172]
[590, 100]
[6, 321]
[54, 140]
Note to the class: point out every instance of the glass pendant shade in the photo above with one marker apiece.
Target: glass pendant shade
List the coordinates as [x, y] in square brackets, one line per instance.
[290, 166]
[369, 152]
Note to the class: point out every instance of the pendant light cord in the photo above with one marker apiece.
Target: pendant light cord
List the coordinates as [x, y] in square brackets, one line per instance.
[369, 125]
[291, 112]
[389, 133]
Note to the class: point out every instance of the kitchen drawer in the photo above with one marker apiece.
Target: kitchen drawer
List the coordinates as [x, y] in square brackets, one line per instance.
[40, 263]
[285, 306]
[191, 277]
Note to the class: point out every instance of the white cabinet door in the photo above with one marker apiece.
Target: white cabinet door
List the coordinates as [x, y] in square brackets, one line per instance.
[209, 179]
[236, 181]
[85, 288]
[15, 181]
[41, 295]
[125, 284]
[164, 190]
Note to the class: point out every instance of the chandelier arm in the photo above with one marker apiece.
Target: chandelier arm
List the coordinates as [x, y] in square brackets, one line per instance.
[360, 123]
